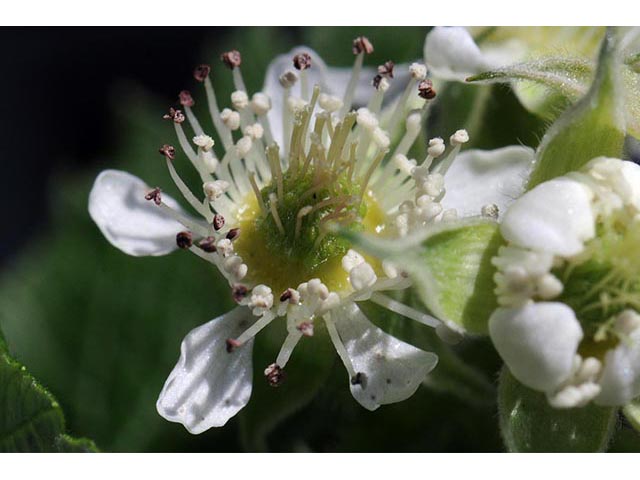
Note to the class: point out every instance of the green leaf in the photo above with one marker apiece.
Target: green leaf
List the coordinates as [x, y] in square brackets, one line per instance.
[529, 424]
[632, 413]
[31, 420]
[592, 127]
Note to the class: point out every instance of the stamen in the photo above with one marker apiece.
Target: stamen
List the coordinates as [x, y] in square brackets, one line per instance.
[372, 168]
[223, 132]
[253, 330]
[186, 100]
[184, 240]
[275, 375]
[205, 176]
[302, 62]
[404, 310]
[339, 346]
[218, 222]
[273, 207]
[386, 69]
[287, 347]
[361, 46]
[239, 292]
[425, 90]
[201, 72]
[155, 195]
[256, 191]
[208, 244]
[184, 220]
[168, 151]
[273, 154]
[197, 205]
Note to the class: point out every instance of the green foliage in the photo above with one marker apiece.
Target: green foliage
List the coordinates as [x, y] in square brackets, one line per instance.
[529, 424]
[31, 420]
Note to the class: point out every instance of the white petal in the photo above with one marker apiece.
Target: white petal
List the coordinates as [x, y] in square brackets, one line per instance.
[621, 176]
[134, 225]
[208, 385]
[555, 217]
[538, 342]
[451, 54]
[392, 370]
[481, 177]
[620, 379]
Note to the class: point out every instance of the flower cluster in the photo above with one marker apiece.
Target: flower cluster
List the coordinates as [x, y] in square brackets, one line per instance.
[568, 283]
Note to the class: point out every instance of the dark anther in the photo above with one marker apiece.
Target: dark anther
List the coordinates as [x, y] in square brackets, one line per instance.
[233, 234]
[306, 328]
[201, 72]
[218, 221]
[155, 195]
[376, 81]
[386, 69]
[208, 244]
[359, 379]
[231, 344]
[238, 292]
[362, 44]
[176, 115]
[286, 295]
[425, 90]
[168, 151]
[186, 100]
[231, 59]
[184, 239]
[275, 375]
[302, 61]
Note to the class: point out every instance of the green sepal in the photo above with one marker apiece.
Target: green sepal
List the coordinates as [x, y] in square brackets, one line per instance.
[450, 266]
[31, 419]
[529, 424]
[306, 371]
[632, 413]
[592, 127]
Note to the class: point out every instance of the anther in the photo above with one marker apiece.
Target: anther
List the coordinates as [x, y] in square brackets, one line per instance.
[302, 61]
[218, 221]
[184, 240]
[233, 234]
[155, 195]
[362, 44]
[215, 189]
[260, 103]
[436, 147]
[201, 72]
[290, 295]
[239, 99]
[168, 151]
[208, 244]
[306, 328]
[360, 378]
[459, 137]
[230, 118]
[186, 100]
[425, 89]
[231, 344]
[231, 59]
[275, 375]
[490, 210]
[239, 292]
[418, 71]
[176, 115]
[386, 69]
[288, 79]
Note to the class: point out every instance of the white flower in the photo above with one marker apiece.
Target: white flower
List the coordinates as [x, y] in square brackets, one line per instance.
[568, 283]
[267, 224]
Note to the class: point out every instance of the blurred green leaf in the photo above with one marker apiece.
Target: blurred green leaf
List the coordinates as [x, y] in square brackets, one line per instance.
[592, 127]
[31, 420]
[530, 424]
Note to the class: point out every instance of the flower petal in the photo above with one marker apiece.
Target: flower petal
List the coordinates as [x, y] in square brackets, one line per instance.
[391, 370]
[555, 217]
[620, 378]
[538, 342]
[481, 177]
[131, 223]
[208, 385]
[452, 54]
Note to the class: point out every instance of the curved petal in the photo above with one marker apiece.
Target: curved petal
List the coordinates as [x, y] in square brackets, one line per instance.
[621, 176]
[452, 54]
[481, 177]
[130, 223]
[538, 342]
[391, 370]
[620, 378]
[555, 217]
[208, 385]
